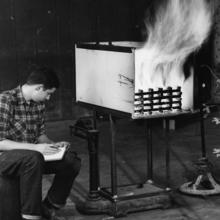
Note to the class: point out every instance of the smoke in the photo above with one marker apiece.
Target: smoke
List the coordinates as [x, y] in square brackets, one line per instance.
[178, 28]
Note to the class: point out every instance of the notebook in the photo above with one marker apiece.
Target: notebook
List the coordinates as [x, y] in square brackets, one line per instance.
[55, 156]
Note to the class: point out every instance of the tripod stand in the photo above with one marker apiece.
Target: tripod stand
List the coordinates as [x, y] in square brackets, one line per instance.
[204, 184]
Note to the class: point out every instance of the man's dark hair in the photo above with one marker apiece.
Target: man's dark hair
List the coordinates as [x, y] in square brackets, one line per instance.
[45, 76]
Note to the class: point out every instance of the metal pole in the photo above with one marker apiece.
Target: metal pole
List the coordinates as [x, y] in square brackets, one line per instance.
[94, 179]
[202, 130]
[149, 150]
[113, 158]
[167, 137]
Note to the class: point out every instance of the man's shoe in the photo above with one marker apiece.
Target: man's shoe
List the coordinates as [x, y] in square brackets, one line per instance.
[48, 213]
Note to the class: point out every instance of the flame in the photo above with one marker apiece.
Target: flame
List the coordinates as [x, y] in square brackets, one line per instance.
[180, 27]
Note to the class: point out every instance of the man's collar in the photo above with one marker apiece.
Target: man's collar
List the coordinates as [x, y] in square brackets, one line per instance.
[21, 99]
[20, 96]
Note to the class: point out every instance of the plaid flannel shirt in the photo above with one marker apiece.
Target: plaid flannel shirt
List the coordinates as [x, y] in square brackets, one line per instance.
[19, 120]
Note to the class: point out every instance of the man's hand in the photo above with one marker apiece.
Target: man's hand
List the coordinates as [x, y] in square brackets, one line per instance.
[216, 120]
[216, 151]
[47, 148]
[62, 144]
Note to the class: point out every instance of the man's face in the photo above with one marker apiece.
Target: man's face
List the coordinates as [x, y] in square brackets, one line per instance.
[40, 94]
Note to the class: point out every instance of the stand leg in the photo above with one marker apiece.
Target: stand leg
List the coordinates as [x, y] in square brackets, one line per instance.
[167, 133]
[202, 131]
[149, 151]
[94, 203]
[113, 158]
[94, 167]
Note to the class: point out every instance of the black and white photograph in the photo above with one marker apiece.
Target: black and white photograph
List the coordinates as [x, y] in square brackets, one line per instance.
[109, 109]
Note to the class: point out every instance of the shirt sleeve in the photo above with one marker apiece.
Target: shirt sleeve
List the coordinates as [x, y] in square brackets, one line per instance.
[5, 115]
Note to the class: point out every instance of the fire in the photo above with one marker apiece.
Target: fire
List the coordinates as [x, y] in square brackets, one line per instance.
[179, 28]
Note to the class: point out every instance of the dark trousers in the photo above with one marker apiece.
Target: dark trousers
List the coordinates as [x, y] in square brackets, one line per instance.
[29, 166]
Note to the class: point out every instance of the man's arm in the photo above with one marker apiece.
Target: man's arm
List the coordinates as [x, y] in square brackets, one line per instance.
[14, 145]
[43, 138]
[11, 145]
[6, 110]
[6, 113]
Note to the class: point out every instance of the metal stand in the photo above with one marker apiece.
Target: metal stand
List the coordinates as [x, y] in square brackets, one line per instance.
[120, 200]
[93, 204]
[204, 184]
[133, 198]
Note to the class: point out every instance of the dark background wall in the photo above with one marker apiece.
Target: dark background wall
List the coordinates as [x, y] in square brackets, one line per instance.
[44, 32]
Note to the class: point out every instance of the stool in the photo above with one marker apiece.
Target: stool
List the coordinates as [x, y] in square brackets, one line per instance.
[9, 199]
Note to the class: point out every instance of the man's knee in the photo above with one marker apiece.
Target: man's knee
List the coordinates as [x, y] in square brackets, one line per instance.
[33, 159]
[72, 161]
[17, 162]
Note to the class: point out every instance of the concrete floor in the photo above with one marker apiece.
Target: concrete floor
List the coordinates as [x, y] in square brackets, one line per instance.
[185, 148]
